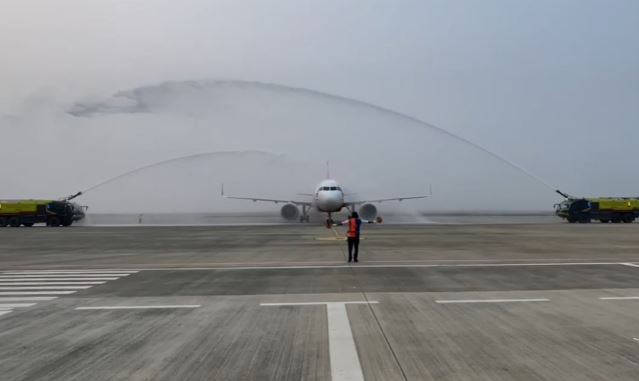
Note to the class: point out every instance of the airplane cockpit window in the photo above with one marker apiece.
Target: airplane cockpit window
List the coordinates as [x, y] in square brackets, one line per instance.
[333, 188]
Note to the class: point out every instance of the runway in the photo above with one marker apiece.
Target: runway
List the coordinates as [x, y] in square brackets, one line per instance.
[426, 302]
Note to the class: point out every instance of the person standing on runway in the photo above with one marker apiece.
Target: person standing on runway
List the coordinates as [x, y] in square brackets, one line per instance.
[354, 224]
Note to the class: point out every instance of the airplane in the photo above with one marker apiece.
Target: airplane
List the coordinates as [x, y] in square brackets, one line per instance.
[329, 197]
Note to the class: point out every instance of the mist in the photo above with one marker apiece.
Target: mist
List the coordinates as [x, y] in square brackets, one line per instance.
[267, 140]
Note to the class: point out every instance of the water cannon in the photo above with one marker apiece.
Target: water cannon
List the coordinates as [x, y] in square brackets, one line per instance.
[564, 195]
[73, 196]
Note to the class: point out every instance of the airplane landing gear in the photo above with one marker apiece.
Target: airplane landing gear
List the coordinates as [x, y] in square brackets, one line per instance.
[329, 221]
[304, 217]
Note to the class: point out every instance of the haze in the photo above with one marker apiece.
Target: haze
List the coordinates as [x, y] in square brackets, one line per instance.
[93, 89]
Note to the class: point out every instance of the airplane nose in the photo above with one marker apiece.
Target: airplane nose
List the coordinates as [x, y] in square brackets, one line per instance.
[330, 199]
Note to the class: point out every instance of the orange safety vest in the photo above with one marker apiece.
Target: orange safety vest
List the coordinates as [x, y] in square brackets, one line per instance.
[352, 228]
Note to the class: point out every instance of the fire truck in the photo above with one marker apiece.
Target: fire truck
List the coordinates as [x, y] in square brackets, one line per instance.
[602, 209]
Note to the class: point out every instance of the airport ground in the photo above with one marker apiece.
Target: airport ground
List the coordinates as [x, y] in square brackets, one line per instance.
[492, 301]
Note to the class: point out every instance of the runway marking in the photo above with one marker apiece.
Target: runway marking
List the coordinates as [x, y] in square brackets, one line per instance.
[53, 276]
[2, 279]
[14, 293]
[451, 301]
[363, 265]
[139, 307]
[368, 264]
[344, 360]
[53, 282]
[52, 272]
[29, 299]
[4, 312]
[17, 305]
[629, 264]
[620, 298]
[635, 339]
[33, 288]
[4, 283]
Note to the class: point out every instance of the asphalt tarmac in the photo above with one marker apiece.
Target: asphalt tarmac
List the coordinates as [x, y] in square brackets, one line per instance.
[532, 301]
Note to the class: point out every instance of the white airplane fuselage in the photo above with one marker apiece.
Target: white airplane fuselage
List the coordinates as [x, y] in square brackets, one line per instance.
[328, 197]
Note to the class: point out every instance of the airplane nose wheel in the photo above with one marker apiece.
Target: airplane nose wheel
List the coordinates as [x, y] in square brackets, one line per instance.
[329, 222]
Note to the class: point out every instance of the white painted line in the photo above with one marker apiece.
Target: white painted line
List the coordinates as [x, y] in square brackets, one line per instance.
[4, 312]
[44, 288]
[335, 266]
[3, 283]
[140, 307]
[29, 299]
[451, 301]
[15, 293]
[635, 339]
[371, 264]
[61, 275]
[17, 305]
[345, 363]
[620, 298]
[629, 264]
[95, 271]
[53, 279]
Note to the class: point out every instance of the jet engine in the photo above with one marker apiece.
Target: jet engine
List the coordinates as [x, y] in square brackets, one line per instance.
[368, 212]
[290, 212]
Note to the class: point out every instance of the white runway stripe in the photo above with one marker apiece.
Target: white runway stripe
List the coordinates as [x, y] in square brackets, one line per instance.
[53, 279]
[44, 288]
[4, 283]
[4, 312]
[139, 307]
[17, 305]
[630, 264]
[620, 298]
[451, 301]
[15, 293]
[95, 271]
[53, 276]
[28, 299]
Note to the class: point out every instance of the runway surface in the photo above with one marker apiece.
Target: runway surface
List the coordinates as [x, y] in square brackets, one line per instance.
[540, 301]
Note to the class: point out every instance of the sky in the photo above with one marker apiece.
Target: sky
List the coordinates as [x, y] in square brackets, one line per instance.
[551, 85]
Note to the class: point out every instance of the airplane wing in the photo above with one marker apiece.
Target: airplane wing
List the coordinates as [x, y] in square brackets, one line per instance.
[256, 199]
[400, 199]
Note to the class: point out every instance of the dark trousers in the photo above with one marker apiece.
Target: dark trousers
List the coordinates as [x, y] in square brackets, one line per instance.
[353, 245]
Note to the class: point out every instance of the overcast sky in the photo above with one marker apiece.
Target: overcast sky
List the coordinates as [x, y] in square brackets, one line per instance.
[552, 85]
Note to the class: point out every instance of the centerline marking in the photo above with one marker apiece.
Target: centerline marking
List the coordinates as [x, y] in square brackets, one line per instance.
[620, 298]
[344, 360]
[453, 301]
